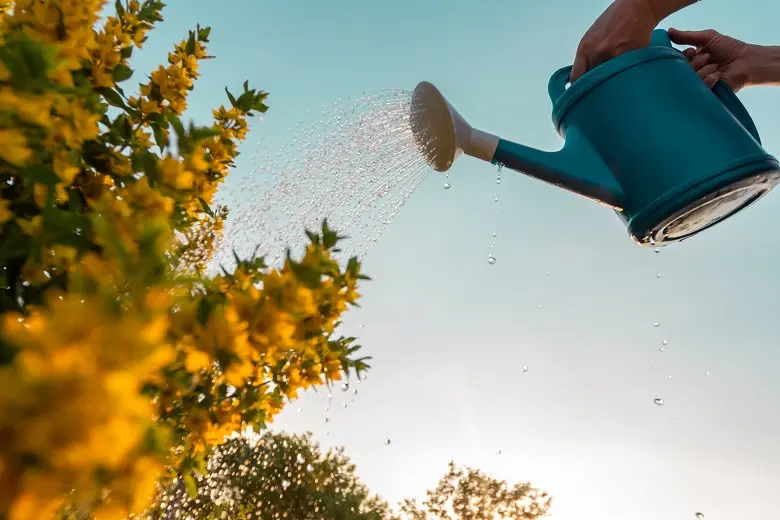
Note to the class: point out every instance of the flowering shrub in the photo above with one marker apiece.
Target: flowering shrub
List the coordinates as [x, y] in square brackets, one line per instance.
[121, 361]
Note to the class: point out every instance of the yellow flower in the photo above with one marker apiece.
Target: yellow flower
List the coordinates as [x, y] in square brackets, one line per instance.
[63, 168]
[5, 211]
[196, 360]
[173, 173]
[14, 149]
[31, 227]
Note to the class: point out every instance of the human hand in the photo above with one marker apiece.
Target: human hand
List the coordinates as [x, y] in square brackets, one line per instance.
[715, 56]
[625, 26]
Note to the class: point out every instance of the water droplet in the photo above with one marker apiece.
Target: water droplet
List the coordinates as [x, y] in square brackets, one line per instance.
[299, 459]
[670, 377]
[498, 452]
[361, 326]
[658, 401]
[706, 374]
[354, 392]
[495, 235]
[309, 467]
[447, 185]
[344, 405]
[495, 199]
[498, 181]
[500, 167]
[664, 342]
[699, 515]
[387, 442]
[491, 260]
[525, 368]
[661, 349]
[658, 275]
[344, 386]
[656, 324]
[327, 420]
[657, 250]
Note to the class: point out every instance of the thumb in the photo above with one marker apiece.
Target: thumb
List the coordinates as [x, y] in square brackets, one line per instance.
[696, 38]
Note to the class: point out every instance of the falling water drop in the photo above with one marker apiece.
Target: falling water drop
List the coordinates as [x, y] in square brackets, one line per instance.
[447, 185]
[498, 452]
[658, 401]
[495, 199]
[344, 386]
[657, 250]
[656, 324]
[661, 349]
[387, 442]
[658, 275]
[525, 368]
[354, 392]
[491, 259]
[707, 374]
[699, 515]
[495, 235]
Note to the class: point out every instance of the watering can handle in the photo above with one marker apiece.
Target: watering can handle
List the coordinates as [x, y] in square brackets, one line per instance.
[735, 106]
[558, 82]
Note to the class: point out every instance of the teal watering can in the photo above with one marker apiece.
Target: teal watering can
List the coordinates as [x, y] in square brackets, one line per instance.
[643, 135]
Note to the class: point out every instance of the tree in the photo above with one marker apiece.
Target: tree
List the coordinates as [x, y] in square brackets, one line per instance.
[278, 475]
[465, 493]
[122, 362]
[272, 476]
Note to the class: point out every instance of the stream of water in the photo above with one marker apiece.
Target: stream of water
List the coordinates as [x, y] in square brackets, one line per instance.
[356, 166]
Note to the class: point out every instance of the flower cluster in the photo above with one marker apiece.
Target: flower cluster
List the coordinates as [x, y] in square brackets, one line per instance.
[121, 362]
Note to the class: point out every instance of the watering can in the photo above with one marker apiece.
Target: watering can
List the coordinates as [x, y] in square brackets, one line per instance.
[643, 135]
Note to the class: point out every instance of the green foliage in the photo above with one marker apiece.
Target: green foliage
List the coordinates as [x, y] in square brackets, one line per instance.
[269, 477]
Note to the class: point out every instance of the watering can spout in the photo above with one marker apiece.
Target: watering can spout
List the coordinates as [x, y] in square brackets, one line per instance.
[442, 135]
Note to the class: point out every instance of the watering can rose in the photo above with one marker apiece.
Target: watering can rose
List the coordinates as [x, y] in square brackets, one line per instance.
[121, 361]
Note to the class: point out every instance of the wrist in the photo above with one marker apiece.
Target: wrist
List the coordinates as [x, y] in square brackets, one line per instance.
[764, 65]
[662, 9]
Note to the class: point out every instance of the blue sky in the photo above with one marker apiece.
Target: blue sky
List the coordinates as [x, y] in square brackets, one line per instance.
[450, 333]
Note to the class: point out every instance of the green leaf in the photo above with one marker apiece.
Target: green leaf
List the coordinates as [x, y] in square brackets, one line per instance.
[121, 73]
[206, 208]
[160, 137]
[204, 311]
[232, 98]
[123, 126]
[41, 174]
[199, 133]
[190, 485]
[120, 10]
[113, 98]
[190, 47]
[126, 52]
[203, 34]
[14, 243]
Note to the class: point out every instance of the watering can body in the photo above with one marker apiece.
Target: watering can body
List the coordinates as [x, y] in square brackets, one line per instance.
[671, 156]
[643, 135]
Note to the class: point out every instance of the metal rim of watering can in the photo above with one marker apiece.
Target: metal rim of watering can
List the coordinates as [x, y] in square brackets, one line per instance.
[659, 224]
